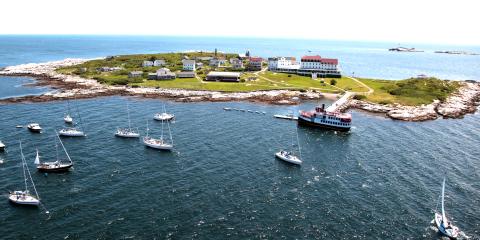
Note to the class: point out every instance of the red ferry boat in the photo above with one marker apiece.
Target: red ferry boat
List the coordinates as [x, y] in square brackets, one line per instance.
[324, 119]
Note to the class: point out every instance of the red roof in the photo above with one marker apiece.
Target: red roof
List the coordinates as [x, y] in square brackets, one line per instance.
[256, 59]
[317, 58]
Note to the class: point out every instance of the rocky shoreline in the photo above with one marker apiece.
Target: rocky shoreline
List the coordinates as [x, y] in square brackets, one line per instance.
[463, 102]
[69, 87]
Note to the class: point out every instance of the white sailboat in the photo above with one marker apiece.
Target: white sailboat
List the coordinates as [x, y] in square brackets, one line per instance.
[68, 118]
[442, 222]
[288, 156]
[25, 197]
[73, 131]
[164, 116]
[57, 165]
[159, 143]
[127, 132]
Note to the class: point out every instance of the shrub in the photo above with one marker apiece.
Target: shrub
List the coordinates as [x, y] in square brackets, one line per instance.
[333, 82]
[359, 97]
[289, 75]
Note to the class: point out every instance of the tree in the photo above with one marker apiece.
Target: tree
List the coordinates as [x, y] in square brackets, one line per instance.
[153, 58]
[333, 82]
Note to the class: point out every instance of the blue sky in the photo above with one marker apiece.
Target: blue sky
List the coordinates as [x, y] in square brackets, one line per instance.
[422, 21]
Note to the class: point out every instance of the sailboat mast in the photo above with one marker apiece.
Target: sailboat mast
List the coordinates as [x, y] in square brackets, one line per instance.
[161, 136]
[28, 171]
[128, 114]
[170, 133]
[65, 150]
[298, 142]
[23, 166]
[444, 218]
[147, 128]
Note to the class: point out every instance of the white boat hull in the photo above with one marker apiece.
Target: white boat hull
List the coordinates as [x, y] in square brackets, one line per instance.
[130, 135]
[164, 117]
[157, 144]
[290, 158]
[451, 231]
[71, 133]
[17, 198]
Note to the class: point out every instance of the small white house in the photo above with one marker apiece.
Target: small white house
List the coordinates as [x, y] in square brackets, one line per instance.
[147, 64]
[159, 63]
[188, 65]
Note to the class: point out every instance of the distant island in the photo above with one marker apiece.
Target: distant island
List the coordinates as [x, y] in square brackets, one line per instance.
[215, 76]
[404, 49]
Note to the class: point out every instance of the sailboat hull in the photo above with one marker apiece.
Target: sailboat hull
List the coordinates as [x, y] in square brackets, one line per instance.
[62, 167]
[289, 159]
[71, 133]
[451, 231]
[23, 199]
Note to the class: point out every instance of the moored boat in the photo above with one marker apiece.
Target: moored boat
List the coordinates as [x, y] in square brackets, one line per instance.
[127, 132]
[164, 116]
[57, 165]
[288, 157]
[2, 146]
[34, 127]
[71, 132]
[159, 143]
[323, 119]
[24, 197]
[68, 119]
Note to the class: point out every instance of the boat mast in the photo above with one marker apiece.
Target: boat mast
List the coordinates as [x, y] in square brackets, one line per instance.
[444, 218]
[298, 142]
[68, 156]
[128, 114]
[170, 133]
[28, 171]
[23, 166]
[147, 128]
[161, 136]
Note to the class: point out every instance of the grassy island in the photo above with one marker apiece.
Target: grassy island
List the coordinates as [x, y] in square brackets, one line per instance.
[406, 92]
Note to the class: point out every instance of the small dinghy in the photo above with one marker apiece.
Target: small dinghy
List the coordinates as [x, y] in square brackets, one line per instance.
[2, 146]
[19, 126]
[127, 132]
[68, 119]
[71, 132]
[164, 116]
[159, 143]
[288, 157]
[25, 197]
[55, 166]
[441, 220]
[227, 109]
[34, 127]
[288, 116]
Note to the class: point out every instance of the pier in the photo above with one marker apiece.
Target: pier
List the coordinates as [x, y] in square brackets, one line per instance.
[340, 102]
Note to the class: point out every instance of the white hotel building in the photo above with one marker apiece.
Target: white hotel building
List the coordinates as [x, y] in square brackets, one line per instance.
[283, 64]
[327, 67]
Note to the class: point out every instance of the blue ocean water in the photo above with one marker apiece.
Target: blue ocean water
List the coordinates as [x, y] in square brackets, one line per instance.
[380, 181]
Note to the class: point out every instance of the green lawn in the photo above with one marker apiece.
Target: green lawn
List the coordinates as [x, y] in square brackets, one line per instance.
[412, 92]
[405, 92]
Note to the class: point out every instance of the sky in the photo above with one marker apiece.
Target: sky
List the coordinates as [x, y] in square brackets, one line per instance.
[407, 21]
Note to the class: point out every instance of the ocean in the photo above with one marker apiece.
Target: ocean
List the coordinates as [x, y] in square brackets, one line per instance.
[382, 180]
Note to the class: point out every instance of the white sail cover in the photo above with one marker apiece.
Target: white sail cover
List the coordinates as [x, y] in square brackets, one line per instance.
[37, 159]
[444, 218]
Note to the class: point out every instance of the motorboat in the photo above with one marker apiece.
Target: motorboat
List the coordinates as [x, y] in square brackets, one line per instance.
[2, 146]
[68, 119]
[288, 116]
[34, 127]
[163, 116]
[288, 157]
